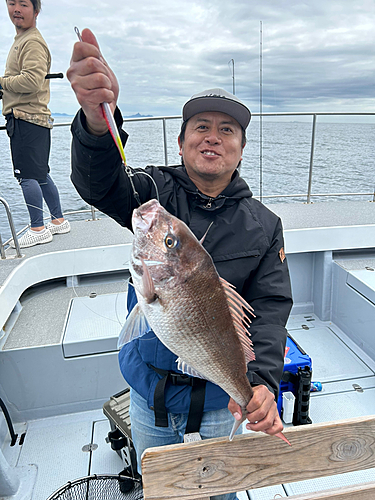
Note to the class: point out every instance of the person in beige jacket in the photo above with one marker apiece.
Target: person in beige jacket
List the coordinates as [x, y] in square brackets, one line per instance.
[26, 96]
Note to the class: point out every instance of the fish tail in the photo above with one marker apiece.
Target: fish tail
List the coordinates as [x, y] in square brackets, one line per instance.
[281, 436]
[237, 423]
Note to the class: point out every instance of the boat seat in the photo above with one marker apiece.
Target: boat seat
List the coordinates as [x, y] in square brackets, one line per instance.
[117, 411]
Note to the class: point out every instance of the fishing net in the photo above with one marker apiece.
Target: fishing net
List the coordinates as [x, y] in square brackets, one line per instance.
[100, 487]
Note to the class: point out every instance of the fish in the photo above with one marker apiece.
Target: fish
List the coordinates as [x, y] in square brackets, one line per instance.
[193, 311]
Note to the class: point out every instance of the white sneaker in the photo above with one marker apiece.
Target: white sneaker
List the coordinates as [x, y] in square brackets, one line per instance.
[31, 238]
[62, 228]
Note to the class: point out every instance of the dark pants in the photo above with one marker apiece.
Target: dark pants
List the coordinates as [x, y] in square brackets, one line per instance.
[30, 147]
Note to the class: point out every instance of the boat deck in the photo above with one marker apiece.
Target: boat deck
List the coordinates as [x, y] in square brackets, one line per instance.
[338, 365]
[93, 260]
[84, 234]
[325, 214]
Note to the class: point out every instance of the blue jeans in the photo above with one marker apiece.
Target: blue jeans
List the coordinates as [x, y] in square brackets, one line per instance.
[145, 435]
[33, 192]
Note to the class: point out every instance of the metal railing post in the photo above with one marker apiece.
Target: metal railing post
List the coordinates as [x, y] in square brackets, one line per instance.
[93, 212]
[2, 250]
[311, 160]
[165, 143]
[12, 228]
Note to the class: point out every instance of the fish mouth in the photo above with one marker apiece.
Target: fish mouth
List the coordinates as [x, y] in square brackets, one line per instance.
[149, 263]
[144, 217]
[136, 265]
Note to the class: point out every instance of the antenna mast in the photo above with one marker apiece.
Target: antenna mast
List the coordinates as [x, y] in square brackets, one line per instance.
[232, 61]
[260, 114]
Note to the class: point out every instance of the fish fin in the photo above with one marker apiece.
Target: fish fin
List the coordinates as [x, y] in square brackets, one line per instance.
[148, 287]
[237, 423]
[238, 308]
[135, 326]
[188, 370]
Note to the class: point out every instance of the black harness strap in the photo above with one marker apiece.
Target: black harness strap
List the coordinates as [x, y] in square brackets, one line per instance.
[161, 416]
[198, 391]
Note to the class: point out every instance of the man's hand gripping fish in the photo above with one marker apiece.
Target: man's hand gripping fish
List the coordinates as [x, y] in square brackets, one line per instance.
[196, 314]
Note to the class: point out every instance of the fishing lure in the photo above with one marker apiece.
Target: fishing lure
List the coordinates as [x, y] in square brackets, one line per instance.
[107, 114]
[112, 127]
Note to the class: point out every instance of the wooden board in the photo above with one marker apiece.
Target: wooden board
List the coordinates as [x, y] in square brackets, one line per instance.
[216, 466]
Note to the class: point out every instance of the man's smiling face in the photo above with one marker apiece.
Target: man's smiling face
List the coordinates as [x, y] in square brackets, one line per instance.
[212, 148]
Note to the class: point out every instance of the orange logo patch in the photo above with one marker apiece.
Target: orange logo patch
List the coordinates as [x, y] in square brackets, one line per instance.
[282, 254]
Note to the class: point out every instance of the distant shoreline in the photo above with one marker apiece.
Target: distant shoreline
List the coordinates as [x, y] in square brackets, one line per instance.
[137, 115]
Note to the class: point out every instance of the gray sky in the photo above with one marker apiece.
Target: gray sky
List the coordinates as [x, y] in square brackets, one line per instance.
[317, 55]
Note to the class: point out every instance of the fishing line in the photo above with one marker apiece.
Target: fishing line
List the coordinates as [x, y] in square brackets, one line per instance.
[112, 127]
[37, 208]
[117, 321]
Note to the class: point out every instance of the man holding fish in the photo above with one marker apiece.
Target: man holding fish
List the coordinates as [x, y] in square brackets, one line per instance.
[186, 343]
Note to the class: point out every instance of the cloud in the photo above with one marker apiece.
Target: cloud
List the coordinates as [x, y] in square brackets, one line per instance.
[315, 56]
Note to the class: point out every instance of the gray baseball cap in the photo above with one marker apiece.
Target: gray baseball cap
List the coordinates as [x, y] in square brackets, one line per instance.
[217, 100]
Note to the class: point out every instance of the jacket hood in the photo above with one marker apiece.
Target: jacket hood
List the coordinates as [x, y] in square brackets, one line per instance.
[236, 189]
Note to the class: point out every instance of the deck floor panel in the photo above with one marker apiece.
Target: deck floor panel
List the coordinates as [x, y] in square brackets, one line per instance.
[339, 367]
[299, 321]
[42, 319]
[329, 407]
[104, 459]
[332, 407]
[344, 386]
[333, 362]
[54, 445]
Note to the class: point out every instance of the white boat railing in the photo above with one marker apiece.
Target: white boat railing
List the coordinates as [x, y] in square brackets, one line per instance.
[308, 195]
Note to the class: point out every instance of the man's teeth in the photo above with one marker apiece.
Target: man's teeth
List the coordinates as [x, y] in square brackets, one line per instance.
[210, 153]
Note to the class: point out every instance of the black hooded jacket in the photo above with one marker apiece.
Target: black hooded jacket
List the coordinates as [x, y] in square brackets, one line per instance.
[245, 240]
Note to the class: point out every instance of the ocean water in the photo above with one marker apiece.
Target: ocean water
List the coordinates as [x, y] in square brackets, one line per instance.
[344, 161]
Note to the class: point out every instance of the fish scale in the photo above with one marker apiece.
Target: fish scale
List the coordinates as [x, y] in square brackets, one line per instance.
[194, 322]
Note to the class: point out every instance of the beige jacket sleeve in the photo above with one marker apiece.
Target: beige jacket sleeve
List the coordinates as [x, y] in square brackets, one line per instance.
[33, 62]
[26, 91]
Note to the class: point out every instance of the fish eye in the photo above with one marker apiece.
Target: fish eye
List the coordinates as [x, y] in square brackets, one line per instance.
[170, 241]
